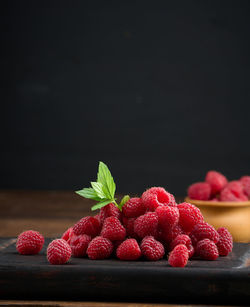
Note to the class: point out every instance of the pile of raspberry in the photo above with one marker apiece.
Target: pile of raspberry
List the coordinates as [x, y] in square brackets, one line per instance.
[216, 187]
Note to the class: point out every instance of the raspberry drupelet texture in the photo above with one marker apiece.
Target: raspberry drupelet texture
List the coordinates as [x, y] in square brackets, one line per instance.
[146, 225]
[178, 257]
[109, 210]
[207, 250]
[112, 229]
[168, 216]
[156, 196]
[233, 192]
[225, 243]
[167, 235]
[128, 250]
[152, 249]
[185, 240]
[128, 223]
[79, 245]
[190, 215]
[68, 234]
[58, 252]
[245, 181]
[134, 207]
[88, 225]
[199, 191]
[216, 180]
[99, 248]
[29, 242]
[202, 231]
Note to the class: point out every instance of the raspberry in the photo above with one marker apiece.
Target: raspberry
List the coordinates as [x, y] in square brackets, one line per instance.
[169, 234]
[128, 223]
[156, 196]
[133, 208]
[200, 191]
[88, 225]
[228, 195]
[204, 231]
[152, 249]
[109, 210]
[99, 248]
[79, 245]
[58, 252]
[225, 243]
[245, 181]
[178, 257]
[146, 225]
[190, 215]
[216, 180]
[29, 242]
[207, 250]
[112, 229]
[68, 234]
[185, 240]
[168, 216]
[236, 188]
[128, 250]
[172, 201]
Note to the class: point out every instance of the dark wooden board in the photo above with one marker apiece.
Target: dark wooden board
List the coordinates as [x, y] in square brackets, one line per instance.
[32, 277]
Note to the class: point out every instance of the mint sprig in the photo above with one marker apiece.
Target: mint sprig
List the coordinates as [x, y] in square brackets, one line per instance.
[103, 190]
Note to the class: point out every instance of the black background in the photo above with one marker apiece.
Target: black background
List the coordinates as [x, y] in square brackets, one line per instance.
[158, 90]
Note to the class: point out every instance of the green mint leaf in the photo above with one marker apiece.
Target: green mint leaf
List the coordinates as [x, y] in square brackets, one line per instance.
[101, 204]
[124, 200]
[98, 187]
[89, 193]
[105, 178]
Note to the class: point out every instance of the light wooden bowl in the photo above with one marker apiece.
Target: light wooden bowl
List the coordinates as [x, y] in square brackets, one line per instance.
[235, 216]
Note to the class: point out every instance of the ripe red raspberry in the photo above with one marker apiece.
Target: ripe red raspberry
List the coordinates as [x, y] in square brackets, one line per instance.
[29, 242]
[88, 225]
[207, 250]
[200, 191]
[79, 245]
[225, 243]
[190, 215]
[227, 194]
[128, 250]
[185, 240]
[167, 235]
[236, 187]
[216, 180]
[128, 223]
[112, 229]
[172, 201]
[58, 252]
[152, 249]
[204, 231]
[245, 181]
[156, 196]
[133, 207]
[146, 225]
[68, 234]
[99, 248]
[168, 216]
[178, 257]
[109, 210]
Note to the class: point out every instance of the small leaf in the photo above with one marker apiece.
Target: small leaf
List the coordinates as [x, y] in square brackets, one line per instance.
[124, 200]
[104, 176]
[98, 187]
[101, 204]
[88, 193]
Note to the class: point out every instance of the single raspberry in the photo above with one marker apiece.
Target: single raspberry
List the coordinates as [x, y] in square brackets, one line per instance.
[154, 197]
[185, 240]
[98, 217]
[128, 223]
[216, 180]
[128, 250]
[152, 249]
[168, 216]
[133, 207]
[68, 234]
[58, 252]
[202, 231]
[207, 250]
[99, 248]
[245, 181]
[109, 210]
[200, 191]
[225, 243]
[146, 225]
[29, 242]
[178, 257]
[79, 245]
[88, 225]
[112, 229]
[236, 188]
[228, 195]
[190, 215]
[167, 235]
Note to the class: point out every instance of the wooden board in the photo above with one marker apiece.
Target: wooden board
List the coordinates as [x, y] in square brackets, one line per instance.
[31, 277]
